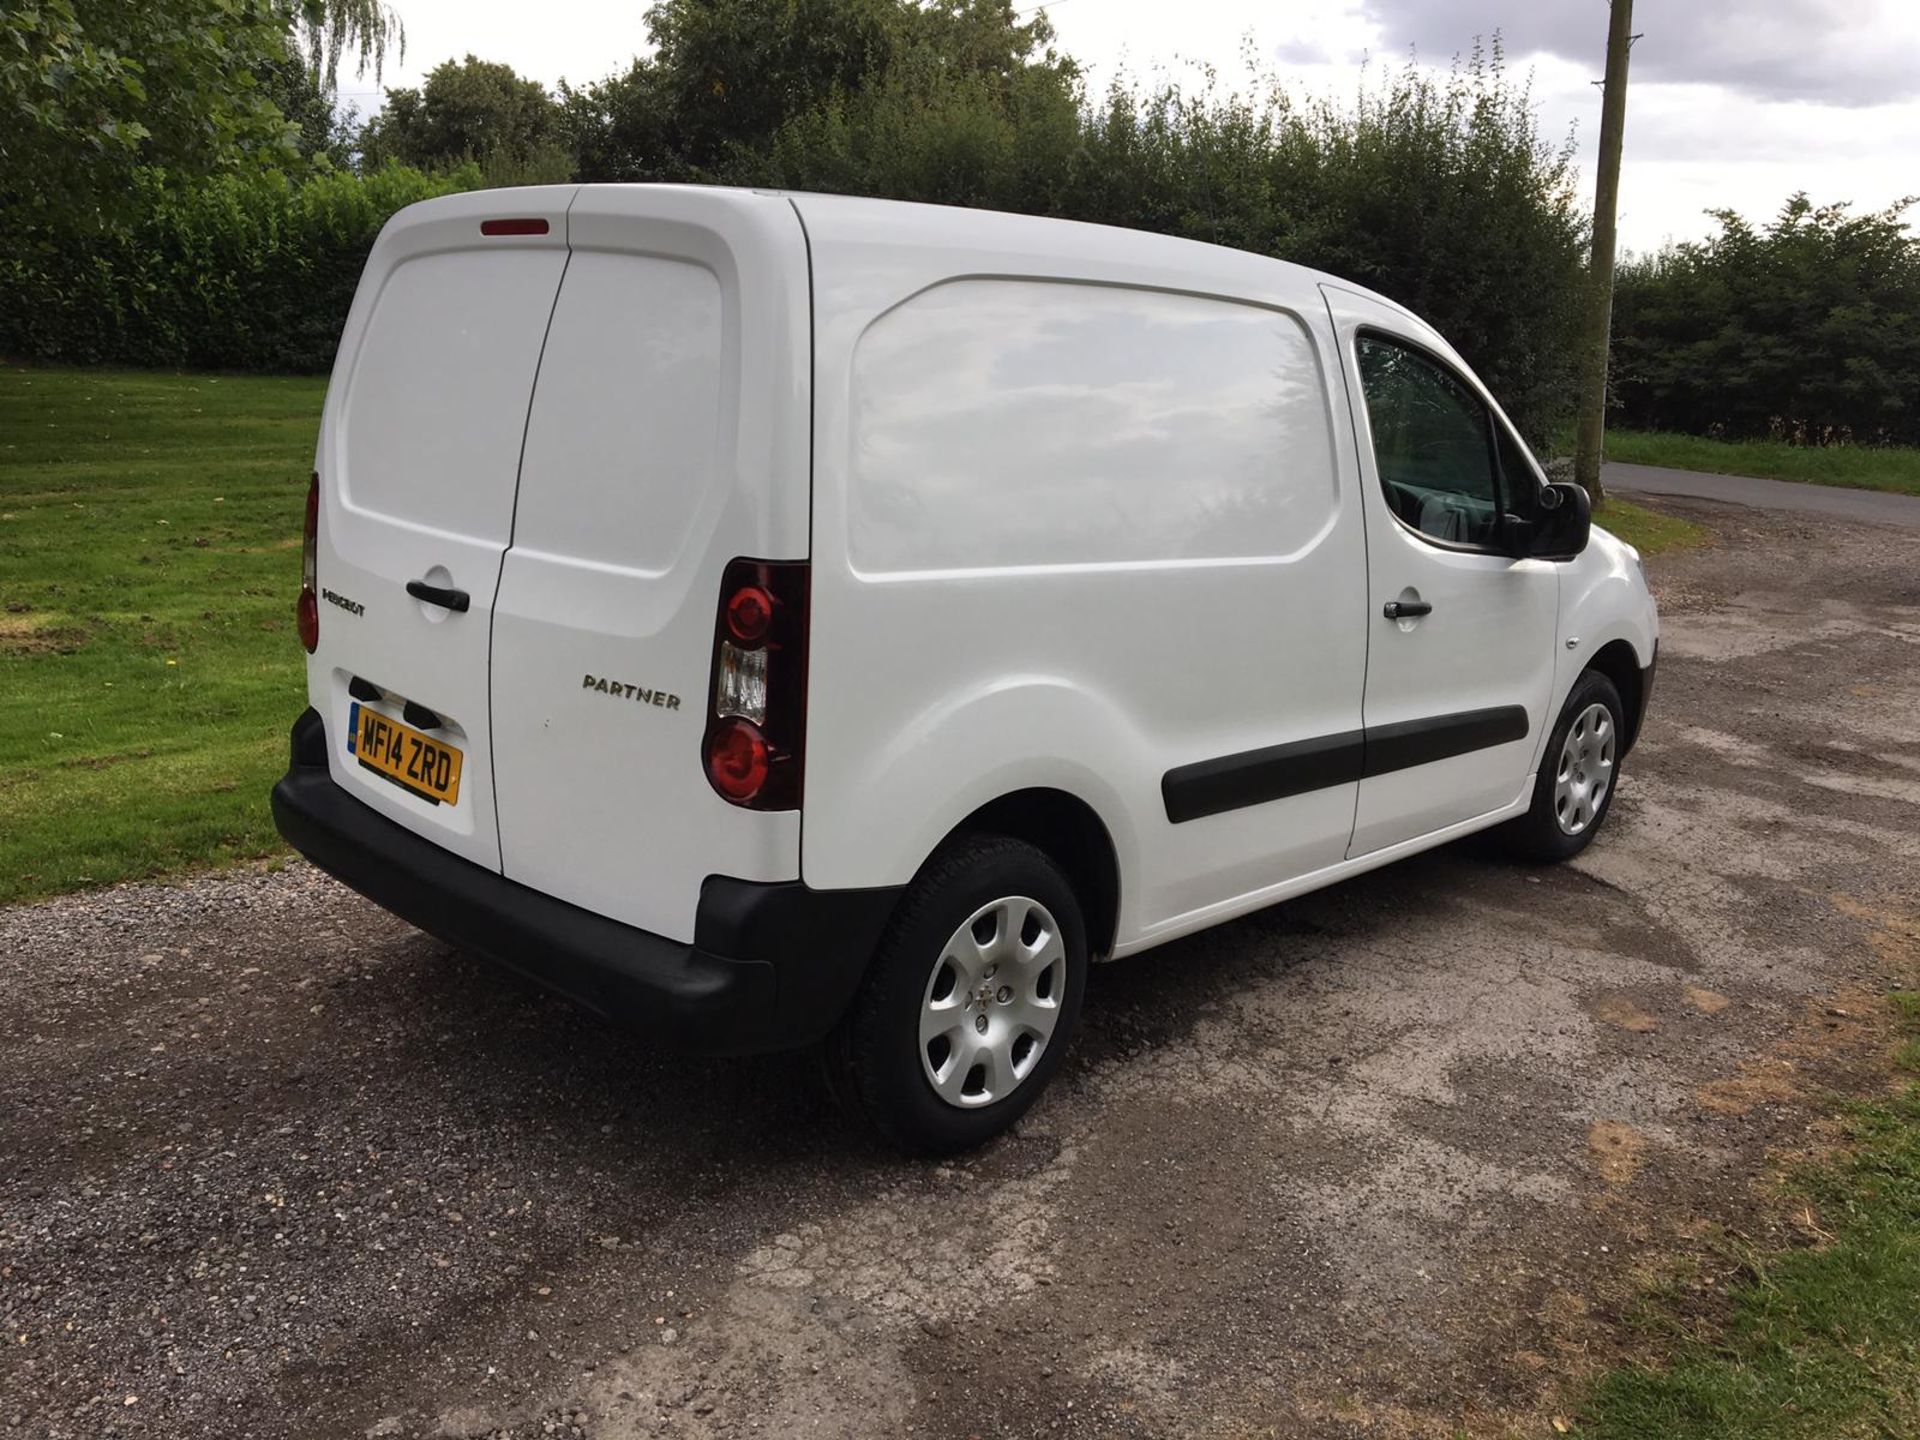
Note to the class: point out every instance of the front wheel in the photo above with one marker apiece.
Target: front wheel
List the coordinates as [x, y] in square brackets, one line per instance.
[969, 1004]
[1578, 774]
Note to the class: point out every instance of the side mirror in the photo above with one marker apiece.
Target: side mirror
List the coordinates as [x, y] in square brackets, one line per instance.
[1562, 522]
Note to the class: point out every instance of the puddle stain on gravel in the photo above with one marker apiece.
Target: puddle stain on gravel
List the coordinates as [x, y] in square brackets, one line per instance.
[1707, 1002]
[1618, 1010]
[1618, 1150]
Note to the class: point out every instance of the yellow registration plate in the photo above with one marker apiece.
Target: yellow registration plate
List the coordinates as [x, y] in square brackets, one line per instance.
[409, 759]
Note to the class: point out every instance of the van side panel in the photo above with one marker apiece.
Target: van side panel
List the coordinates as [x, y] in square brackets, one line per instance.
[1080, 519]
[668, 435]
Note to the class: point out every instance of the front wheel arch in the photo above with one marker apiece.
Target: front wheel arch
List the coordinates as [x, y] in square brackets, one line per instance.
[1619, 663]
[1537, 835]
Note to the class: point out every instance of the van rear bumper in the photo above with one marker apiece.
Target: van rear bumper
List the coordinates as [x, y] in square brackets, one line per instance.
[771, 966]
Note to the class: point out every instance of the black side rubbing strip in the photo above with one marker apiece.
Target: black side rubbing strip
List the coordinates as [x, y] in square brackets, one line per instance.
[1420, 742]
[1253, 777]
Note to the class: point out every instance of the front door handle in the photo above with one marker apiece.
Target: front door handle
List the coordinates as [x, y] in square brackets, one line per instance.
[1405, 609]
[439, 595]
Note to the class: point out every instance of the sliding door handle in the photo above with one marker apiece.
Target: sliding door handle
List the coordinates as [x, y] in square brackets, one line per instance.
[441, 595]
[1405, 609]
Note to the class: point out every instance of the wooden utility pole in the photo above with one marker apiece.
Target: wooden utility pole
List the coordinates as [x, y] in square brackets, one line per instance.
[1596, 331]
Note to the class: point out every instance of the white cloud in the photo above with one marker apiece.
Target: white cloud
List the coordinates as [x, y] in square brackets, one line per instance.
[1839, 52]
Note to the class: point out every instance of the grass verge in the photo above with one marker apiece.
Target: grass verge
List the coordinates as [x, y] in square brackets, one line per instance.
[1817, 1344]
[1649, 531]
[1860, 467]
[149, 557]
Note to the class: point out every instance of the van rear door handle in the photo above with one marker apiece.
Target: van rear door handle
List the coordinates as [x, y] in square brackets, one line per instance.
[1405, 609]
[438, 595]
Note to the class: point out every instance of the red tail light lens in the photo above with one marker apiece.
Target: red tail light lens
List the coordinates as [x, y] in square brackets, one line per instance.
[307, 610]
[749, 614]
[757, 703]
[737, 761]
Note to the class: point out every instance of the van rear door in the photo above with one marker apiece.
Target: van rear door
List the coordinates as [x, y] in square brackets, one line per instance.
[668, 435]
[418, 455]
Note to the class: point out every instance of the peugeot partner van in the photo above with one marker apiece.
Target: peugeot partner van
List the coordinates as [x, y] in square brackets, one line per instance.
[780, 620]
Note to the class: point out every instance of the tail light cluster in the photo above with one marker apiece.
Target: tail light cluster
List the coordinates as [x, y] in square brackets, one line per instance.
[757, 718]
[307, 610]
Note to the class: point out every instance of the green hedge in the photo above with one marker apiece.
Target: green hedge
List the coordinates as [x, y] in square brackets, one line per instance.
[1805, 329]
[1438, 190]
[234, 273]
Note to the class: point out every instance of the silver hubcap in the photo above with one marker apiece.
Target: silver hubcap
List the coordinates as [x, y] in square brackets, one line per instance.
[992, 1002]
[1586, 770]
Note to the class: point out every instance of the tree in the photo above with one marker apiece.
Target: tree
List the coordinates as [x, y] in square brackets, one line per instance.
[321, 31]
[92, 90]
[1806, 330]
[621, 128]
[725, 76]
[471, 109]
[320, 130]
[733, 71]
[973, 108]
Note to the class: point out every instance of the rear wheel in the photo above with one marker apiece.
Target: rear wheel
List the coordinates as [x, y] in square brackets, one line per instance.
[1578, 773]
[969, 1004]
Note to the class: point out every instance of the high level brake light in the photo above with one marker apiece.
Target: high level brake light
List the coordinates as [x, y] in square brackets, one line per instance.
[529, 226]
[307, 610]
[756, 718]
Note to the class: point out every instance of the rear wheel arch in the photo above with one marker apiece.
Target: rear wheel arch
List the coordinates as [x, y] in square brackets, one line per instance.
[1069, 832]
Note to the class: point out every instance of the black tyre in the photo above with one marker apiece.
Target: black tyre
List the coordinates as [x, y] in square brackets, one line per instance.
[971, 999]
[1579, 772]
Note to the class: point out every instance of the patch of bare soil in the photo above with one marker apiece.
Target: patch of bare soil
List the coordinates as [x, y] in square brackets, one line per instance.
[36, 634]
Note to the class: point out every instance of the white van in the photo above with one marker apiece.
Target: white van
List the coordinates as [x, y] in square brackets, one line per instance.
[773, 619]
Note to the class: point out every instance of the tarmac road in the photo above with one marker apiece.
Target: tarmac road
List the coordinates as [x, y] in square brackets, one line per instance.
[1388, 1160]
[1877, 507]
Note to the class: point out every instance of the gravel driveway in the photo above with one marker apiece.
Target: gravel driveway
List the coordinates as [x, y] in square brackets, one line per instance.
[1383, 1161]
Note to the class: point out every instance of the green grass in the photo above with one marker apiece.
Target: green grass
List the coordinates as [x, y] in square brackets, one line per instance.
[1649, 531]
[1818, 1344]
[149, 558]
[1862, 467]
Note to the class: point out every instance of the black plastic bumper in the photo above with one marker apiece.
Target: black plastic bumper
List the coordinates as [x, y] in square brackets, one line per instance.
[771, 966]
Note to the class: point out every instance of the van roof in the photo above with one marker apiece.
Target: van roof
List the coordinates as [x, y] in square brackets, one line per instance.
[954, 227]
[966, 240]
[985, 233]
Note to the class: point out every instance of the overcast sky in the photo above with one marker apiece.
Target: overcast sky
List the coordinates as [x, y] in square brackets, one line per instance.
[1733, 102]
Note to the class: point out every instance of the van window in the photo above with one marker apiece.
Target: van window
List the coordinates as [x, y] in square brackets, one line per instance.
[1001, 423]
[1432, 444]
[1516, 467]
